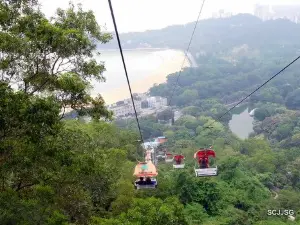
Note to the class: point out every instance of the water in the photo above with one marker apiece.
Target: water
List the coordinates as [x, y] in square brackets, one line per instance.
[138, 63]
[145, 67]
[241, 122]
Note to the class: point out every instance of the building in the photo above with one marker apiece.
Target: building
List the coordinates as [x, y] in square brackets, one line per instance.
[157, 102]
[161, 140]
[221, 14]
[125, 108]
[272, 12]
[155, 142]
[144, 105]
[151, 144]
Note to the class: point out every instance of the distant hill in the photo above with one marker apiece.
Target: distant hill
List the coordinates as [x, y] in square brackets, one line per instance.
[219, 35]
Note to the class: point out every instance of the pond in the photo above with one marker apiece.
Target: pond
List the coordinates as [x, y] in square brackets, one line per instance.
[241, 123]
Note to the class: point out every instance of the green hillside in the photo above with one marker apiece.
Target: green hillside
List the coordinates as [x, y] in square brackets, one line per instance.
[220, 36]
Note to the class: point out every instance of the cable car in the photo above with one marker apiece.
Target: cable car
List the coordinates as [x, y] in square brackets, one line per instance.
[146, 172]
[169, 157]
[160, 155]
[148, 155]
[178, 161]
[202, 168]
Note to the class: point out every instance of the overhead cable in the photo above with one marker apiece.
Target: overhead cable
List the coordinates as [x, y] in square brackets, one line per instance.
[220, 117]
[126, 74]
[186, 52]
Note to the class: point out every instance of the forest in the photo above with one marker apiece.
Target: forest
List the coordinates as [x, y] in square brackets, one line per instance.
[59, 171]
[220, 36]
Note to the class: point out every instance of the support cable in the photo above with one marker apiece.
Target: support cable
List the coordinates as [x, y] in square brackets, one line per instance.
[128, 82]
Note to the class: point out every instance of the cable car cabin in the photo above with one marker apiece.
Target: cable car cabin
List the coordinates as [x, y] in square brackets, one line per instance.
[203, 169]
[169, 157]
[146, 173]
[160, 158]
[160, 155]
[148, 155]
[178, 162]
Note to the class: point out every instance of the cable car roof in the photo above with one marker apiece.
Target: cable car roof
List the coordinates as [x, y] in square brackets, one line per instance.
[204, 153]
[145, 170]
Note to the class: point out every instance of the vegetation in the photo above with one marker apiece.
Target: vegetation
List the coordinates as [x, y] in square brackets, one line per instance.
[51, 57]
[56, 171]
[243, 35]
[221, 80]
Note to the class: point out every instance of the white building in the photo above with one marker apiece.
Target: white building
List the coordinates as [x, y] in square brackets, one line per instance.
[272, 12]
[152, 144]
[125, 108]
[157, 102]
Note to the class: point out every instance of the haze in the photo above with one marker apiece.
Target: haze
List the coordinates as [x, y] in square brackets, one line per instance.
[141, 15]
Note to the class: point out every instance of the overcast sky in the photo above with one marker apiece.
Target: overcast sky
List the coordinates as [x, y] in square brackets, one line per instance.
[141, 15]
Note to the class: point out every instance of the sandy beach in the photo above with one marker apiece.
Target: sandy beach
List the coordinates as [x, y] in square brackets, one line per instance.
[172, 62]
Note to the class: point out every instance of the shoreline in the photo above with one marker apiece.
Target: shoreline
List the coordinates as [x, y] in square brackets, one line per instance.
[189, 56]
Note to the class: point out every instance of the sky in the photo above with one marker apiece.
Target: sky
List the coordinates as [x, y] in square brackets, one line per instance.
[141, 15]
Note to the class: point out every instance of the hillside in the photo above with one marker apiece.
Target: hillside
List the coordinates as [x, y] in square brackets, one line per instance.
[216, 36]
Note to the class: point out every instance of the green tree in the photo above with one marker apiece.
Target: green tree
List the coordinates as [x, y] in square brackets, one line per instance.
[192, 110]
[149, 211]
[260, 114]
[53, 57]
[166, 115]
[293, 99]
[195, 213]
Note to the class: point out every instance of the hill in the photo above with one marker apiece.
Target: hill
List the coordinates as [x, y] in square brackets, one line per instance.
[216, 36]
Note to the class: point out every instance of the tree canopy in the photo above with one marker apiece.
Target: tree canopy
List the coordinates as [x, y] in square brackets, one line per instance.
[52, 57]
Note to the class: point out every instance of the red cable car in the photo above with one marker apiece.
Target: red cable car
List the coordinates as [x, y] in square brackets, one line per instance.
[202, 168]
[178, 161]
[169, 157]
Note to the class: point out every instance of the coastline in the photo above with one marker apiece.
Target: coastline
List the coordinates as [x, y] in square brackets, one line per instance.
[190, 57]
[172, 64]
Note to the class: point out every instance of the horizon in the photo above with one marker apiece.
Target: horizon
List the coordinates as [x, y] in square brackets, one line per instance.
[142, 15]
[187, 24]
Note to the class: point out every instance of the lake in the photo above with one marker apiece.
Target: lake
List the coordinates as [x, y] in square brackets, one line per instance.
[145, 67]
[241, 122]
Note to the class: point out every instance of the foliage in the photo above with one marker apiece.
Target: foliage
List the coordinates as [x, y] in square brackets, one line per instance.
[239, 36]
[41, 56]
[293, 101]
